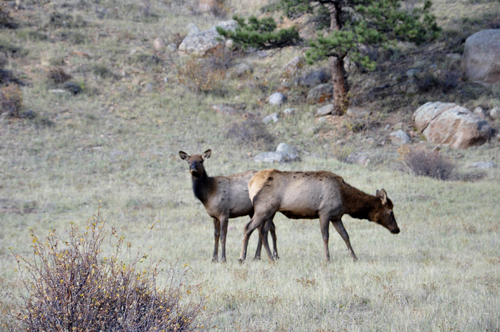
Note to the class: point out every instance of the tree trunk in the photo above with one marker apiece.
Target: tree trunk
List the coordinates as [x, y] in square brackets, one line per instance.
[336, 62]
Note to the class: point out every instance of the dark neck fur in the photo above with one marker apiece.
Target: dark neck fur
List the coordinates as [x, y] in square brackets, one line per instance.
[202, 186]
[358, 204]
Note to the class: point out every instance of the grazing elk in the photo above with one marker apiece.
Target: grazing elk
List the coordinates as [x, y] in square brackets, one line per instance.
[225, 197]
[311, 195]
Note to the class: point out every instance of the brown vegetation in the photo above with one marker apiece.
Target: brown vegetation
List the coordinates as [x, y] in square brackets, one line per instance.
[311, 195]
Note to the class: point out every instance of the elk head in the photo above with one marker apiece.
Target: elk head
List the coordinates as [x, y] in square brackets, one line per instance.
[195, 162]
[384, 215]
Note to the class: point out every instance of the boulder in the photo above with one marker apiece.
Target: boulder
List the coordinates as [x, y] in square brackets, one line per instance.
[315, 78]
[481, 59]
[399, 137]
[283, 154]
[199, 43]
[320, 94]
[450, 124]
[239, 70]
[327, 109]
[277, 99]
[294, 65]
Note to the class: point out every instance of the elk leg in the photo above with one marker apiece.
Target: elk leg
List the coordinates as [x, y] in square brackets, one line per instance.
[259, 249]
[263, 234]
[272, 229]
[216, 236]
[339, 226]
[324, 225]
[246, 236]
[249, 228]
[223, 233]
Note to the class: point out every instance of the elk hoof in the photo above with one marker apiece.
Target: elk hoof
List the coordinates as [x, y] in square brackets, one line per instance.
[256, 258]
[223, 260]
[214, 260]
[241, 260]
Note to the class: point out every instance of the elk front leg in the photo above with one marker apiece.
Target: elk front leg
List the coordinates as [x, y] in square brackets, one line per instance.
[324, 224]
[223, 234]
[216, 237]
[339, 226]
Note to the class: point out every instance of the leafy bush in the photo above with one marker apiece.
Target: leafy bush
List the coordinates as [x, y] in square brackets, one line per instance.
[11, 100]
[72, 285]
[426, 163]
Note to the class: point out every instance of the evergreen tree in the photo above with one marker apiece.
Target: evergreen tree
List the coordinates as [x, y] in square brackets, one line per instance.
[353, 25]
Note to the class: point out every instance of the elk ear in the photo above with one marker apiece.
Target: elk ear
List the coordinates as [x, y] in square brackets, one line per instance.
[183, 155]
[206, 154]
[382, 195]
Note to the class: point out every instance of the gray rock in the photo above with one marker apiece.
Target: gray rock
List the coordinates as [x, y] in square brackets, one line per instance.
[480, 112]
[495, 113]
[358, 159]
[327, 109]
[320, 94]
[289, 112]
[277, 99]
[271, 118]
[273, 157]
[294, 65]
[149, 87]
[283, 154]
[172, 47]
[483, 165]
[290, 150]
[192, 29]
[413, 73]
[229, 109]
[315, 78]
[480, 60]
[357, 112]
[399, 137]
[454, 57]
[201, 42]
[239, 70]
[158, 44]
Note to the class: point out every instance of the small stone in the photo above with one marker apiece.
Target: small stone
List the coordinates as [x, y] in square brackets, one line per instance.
[412, 73]
[158, 44]
[277, 99]
[358, 159]
[272, 117]
[149, 87]
[289, 112]
[495, 113]
[483, 165]
[399, 137]
[327, 109]
[454, 57]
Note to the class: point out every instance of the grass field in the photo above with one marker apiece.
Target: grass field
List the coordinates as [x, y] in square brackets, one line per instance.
[118, 144]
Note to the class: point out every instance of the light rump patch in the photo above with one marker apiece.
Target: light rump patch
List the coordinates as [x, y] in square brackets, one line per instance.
[311, 195]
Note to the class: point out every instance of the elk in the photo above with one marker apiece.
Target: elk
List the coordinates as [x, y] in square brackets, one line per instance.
[311, 195]
[225, 197]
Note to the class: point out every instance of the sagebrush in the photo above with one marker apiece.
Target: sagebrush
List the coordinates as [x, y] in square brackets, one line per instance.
[79, 285]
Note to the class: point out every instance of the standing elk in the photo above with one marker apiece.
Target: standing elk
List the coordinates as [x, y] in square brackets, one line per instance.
[311, 195]
[225, 197]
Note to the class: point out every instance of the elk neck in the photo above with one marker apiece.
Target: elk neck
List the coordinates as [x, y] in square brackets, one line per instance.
[359, 204]
[202, 186]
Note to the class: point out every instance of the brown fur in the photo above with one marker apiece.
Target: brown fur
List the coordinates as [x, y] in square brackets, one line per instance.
[225, 197]
[311, 195]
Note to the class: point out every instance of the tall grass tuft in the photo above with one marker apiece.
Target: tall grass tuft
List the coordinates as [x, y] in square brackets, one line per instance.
[74, 285]
[422, 162]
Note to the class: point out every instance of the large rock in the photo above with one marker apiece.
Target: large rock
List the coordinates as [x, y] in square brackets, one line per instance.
[481, 59]
[315, 78]
[283, 154]
[277, 99]
[320, 94]
[450, 124]
[399, 137]
[201, 42]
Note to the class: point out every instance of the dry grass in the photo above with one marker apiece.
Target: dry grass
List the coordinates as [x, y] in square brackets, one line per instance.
[118, 143]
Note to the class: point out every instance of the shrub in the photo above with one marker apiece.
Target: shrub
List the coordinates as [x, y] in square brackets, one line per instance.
[11, 100]
[250, 132]
[422, 162]
[199, 75]
[71, 285]
[57, 75]
[6, 21]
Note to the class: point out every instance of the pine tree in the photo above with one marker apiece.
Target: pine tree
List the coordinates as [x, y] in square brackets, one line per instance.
[353, 25]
